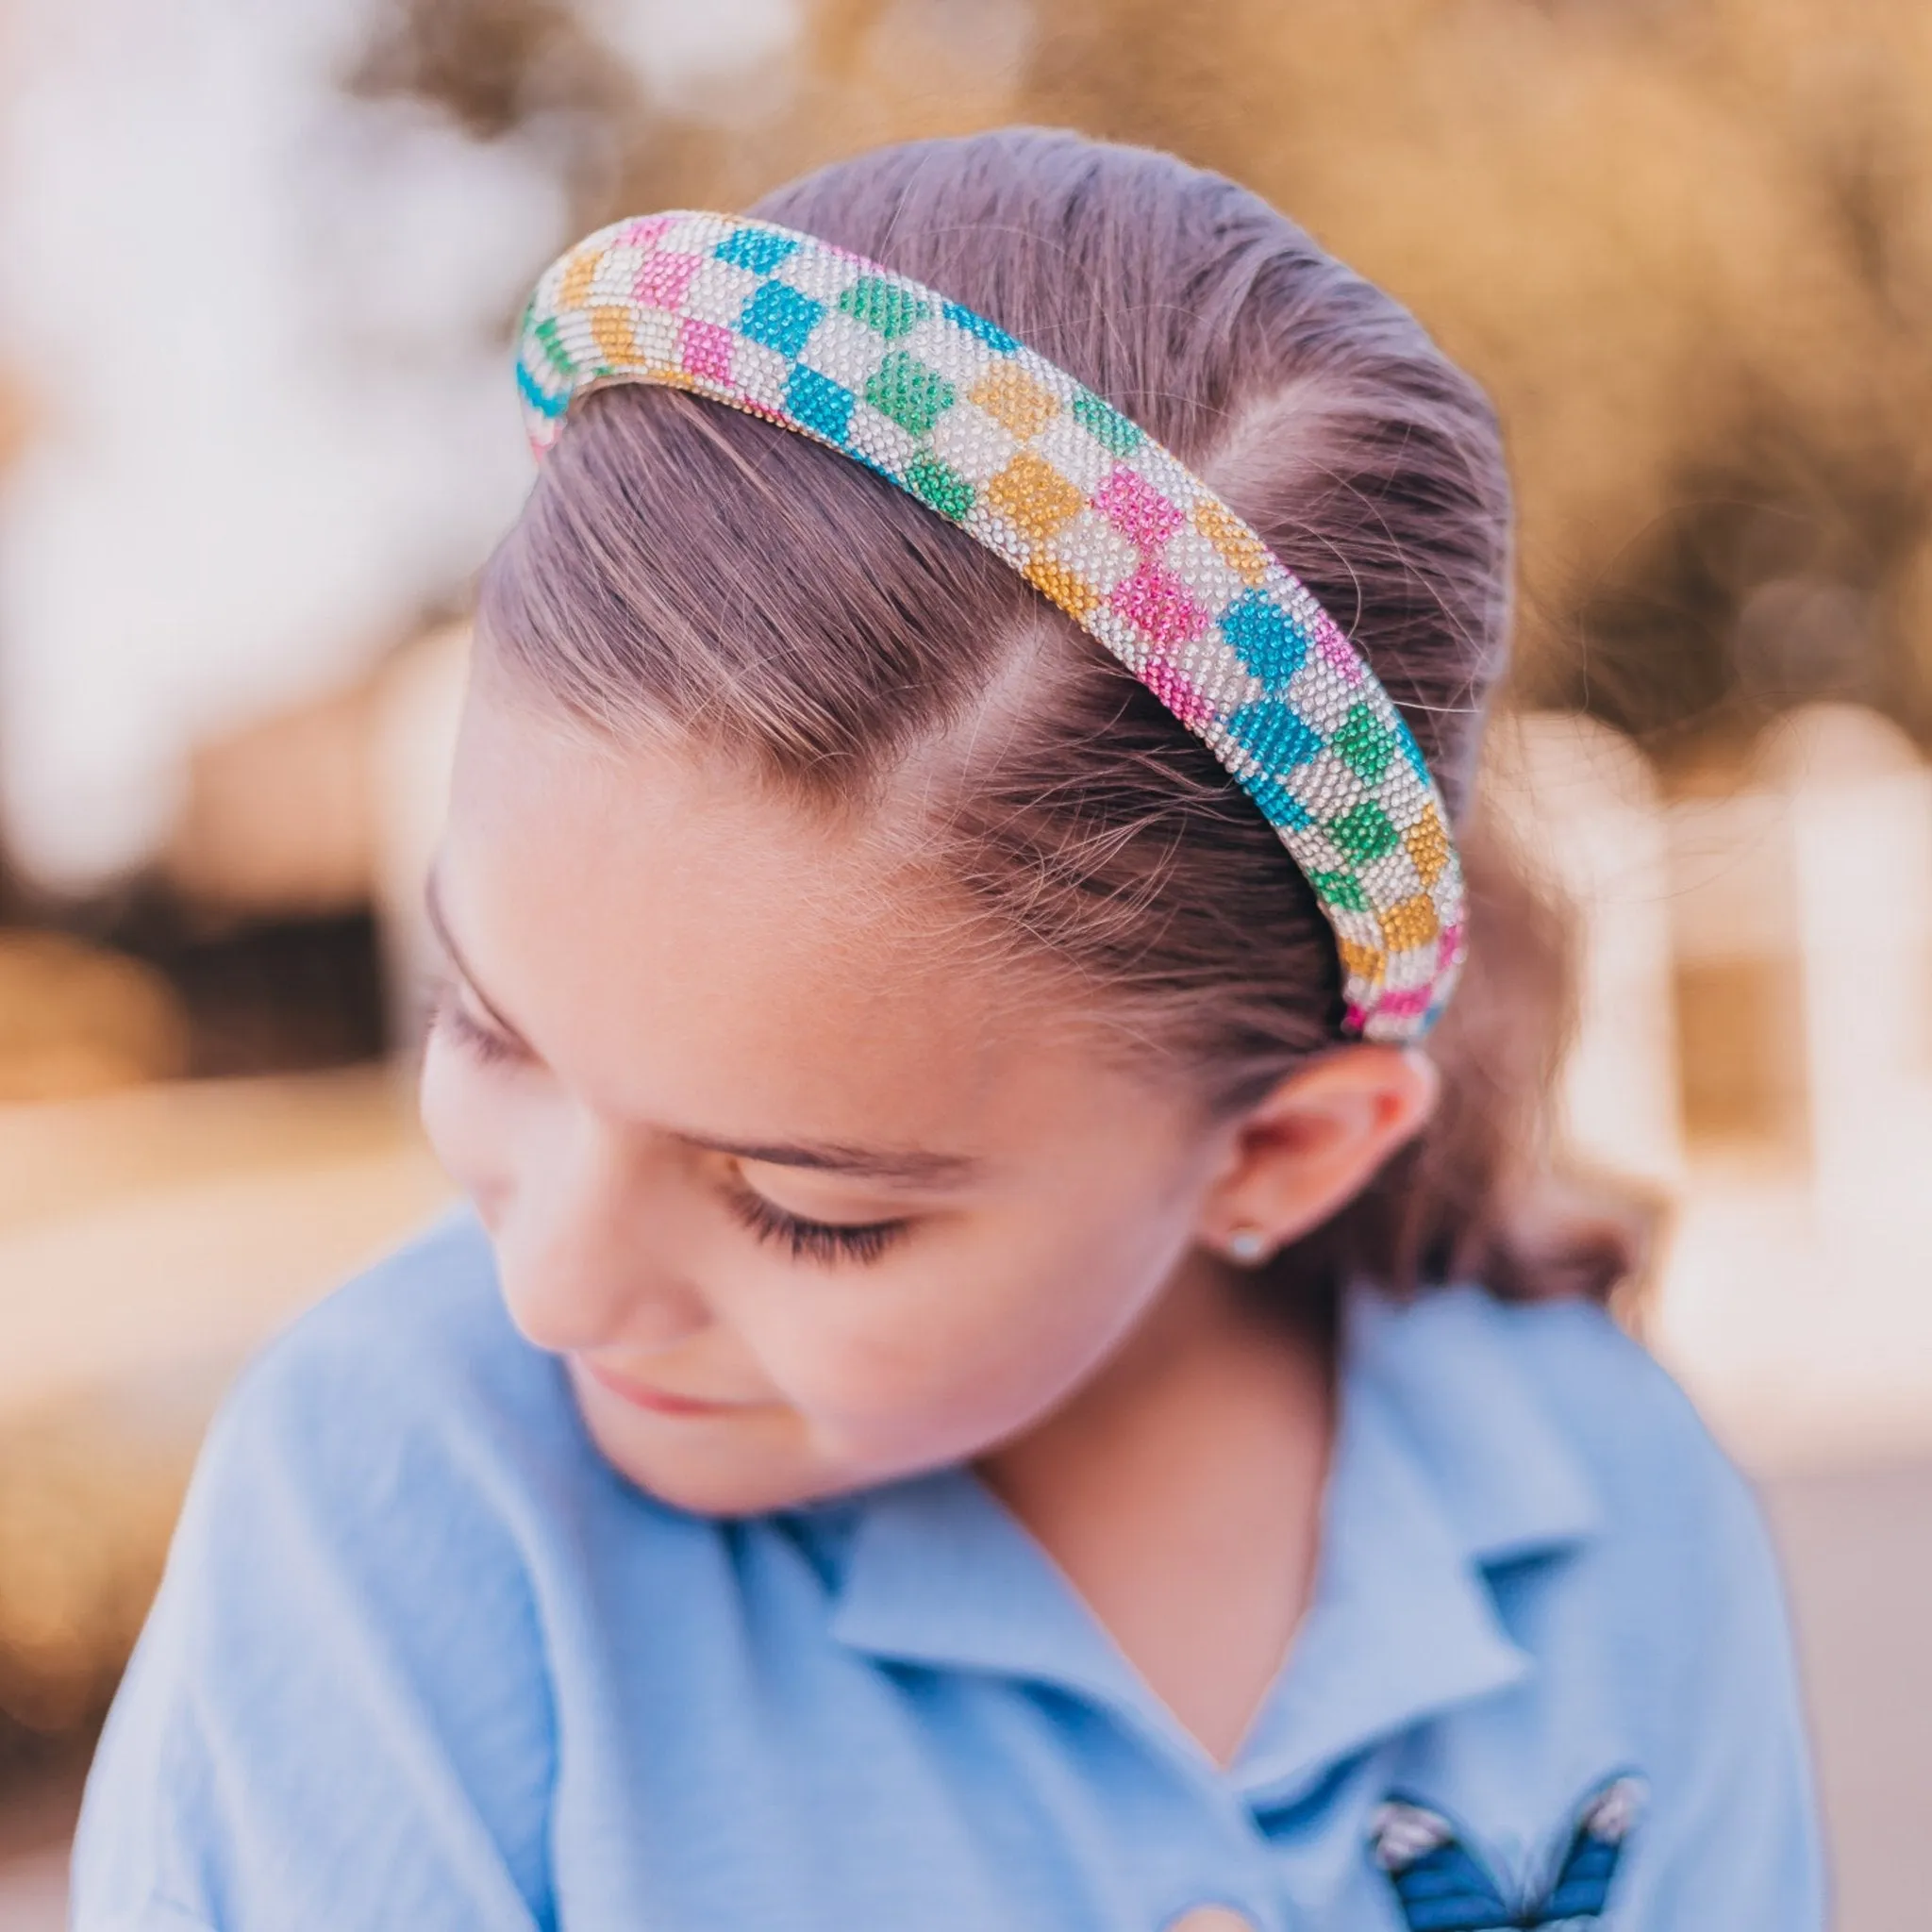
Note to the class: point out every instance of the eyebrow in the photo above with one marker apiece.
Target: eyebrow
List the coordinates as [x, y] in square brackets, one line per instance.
[908, 1165]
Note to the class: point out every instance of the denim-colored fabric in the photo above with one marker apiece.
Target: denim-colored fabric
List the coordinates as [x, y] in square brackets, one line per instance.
[421, 1660]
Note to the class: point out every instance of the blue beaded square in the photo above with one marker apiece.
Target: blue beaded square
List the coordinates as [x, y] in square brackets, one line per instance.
[1265, 637]
[781, 318]
[754, 249]
[990, 333]
[1275, 735]
[819, 404]
[1279, 806]
[536, 397]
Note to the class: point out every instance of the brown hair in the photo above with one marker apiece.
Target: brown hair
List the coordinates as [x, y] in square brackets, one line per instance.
[680, 564]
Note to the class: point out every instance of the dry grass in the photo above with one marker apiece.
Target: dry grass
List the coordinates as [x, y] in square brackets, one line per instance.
[148, 1239]
[77, 1020]
[89, 1492]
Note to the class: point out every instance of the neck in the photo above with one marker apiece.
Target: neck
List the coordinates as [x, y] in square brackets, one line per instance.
[1179, 1490]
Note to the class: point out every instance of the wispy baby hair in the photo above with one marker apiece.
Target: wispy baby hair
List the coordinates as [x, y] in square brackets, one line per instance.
[681, 566]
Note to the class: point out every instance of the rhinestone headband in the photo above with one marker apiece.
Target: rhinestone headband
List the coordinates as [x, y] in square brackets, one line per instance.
[1084, 505]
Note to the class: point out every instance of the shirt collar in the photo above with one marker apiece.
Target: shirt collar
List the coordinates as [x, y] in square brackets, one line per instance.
[938, 1571]
[1446, 1463]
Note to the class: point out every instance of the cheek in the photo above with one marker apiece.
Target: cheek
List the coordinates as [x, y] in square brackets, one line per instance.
[982, 1338]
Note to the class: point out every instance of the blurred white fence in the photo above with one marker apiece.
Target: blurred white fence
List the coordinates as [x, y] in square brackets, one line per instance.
[1757, 1033]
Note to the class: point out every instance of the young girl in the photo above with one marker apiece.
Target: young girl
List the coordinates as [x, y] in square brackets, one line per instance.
[988, 1380]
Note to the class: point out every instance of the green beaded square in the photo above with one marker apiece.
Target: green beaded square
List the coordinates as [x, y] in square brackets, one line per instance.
[1365, 833]
[939, 485]
[914, 397]
[1106, 424]
[883, 307]
[1340, 890]
[560, 358]
[1365, 744]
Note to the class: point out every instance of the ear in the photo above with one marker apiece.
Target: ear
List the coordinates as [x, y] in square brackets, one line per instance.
[1311, 1145]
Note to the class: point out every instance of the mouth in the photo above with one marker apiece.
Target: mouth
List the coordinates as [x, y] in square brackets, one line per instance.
[658, 1401]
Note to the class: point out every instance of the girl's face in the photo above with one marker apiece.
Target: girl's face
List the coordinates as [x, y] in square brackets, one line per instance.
[804, 1201]
[805, 1197]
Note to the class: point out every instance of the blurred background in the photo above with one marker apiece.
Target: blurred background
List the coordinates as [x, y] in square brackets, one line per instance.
[258, 271]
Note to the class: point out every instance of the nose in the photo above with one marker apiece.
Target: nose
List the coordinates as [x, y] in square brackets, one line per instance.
[577, 1268]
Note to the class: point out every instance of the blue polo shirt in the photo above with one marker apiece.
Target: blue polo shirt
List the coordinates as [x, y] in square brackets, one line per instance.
[424, 1660]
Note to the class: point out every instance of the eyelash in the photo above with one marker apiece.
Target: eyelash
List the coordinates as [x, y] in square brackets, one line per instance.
[823, 1241]
[492, 1049]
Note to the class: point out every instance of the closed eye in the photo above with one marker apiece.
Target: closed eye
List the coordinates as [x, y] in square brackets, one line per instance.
[823, 1242]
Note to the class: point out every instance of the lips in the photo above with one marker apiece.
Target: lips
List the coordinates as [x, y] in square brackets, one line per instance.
[658, 1401]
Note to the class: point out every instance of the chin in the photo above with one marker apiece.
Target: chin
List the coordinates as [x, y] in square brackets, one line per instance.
[751, 1477]
[725, 1491]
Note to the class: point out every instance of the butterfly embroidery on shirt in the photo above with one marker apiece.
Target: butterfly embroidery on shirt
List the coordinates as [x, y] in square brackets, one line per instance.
[1444, 1886]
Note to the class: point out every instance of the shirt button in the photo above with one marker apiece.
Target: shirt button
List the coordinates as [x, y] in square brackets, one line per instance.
[1211, 1919]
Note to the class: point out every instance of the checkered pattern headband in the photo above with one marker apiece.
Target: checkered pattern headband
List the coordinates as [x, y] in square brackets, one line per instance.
[1086, 507]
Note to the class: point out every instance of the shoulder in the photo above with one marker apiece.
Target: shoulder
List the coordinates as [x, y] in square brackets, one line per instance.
[1555, 1434]
[399, 1469]
[410, 1375]
[403, 1438]
[428, 1318]
[1680, 1562]
[1660, 1478]
[1626, 1554]
[396, 1451]
[1547, 1430]
[1597, 1379]
[357, 1567]
[1562, 1383]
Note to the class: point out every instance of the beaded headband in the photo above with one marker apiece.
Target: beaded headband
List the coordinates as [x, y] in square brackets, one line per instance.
[1086, 505]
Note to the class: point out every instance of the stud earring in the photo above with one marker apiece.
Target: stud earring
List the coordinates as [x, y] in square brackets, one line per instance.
[1247, 1246]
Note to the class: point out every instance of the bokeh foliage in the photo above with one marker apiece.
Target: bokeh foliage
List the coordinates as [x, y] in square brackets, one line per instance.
[1688, 247]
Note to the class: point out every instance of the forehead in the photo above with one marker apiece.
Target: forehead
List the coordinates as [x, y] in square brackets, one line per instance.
[681, 945]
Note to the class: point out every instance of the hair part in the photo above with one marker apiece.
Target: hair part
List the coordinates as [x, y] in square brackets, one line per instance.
[680, 565]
